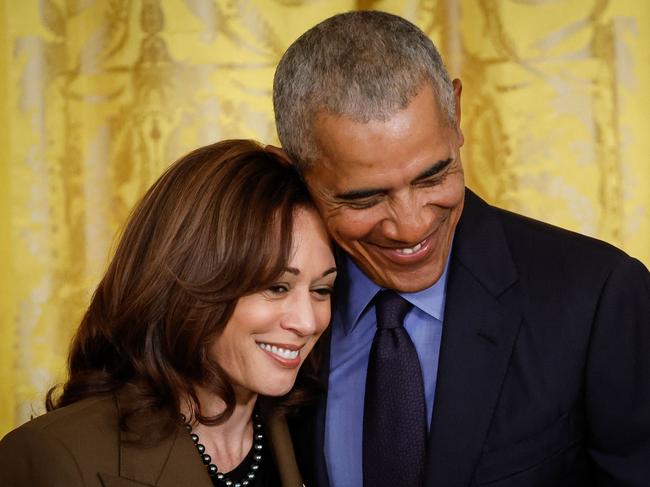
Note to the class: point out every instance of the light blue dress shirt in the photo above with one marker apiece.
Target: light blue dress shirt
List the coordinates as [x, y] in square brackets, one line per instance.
[353, 328]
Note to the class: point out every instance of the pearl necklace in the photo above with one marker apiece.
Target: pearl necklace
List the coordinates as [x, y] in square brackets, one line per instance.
[213, 471]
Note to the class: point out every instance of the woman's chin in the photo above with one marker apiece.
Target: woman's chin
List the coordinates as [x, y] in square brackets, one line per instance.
[276, 387]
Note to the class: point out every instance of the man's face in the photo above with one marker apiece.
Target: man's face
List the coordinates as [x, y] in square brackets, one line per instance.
[391, 193]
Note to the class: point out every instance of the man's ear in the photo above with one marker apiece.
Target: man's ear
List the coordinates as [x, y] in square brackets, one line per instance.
[280, 153]
[458, 90]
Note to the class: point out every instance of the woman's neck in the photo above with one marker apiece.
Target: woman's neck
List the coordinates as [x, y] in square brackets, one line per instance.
[227, 443]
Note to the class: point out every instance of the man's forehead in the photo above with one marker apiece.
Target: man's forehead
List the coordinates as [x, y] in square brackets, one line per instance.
[355, 156]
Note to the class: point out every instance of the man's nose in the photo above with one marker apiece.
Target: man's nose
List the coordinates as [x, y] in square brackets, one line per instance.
[409, 220]
[301, 316]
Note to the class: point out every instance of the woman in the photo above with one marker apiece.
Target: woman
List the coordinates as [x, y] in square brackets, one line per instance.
[218, 291]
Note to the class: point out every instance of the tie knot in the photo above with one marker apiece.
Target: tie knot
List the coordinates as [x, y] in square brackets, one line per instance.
[391, 309]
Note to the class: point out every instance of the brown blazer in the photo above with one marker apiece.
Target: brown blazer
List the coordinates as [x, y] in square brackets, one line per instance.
[81, 445]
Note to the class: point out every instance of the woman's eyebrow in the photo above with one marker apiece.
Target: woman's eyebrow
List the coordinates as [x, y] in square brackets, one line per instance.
[331, 270]
[296, 272]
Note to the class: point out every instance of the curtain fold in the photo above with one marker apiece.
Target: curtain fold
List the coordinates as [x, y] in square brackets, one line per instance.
[98, 97]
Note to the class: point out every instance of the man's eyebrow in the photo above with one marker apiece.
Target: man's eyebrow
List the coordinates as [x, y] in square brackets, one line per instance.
[359, 194]
[433, 170]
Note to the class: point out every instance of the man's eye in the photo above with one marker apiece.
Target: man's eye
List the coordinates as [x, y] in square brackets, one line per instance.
[361, 204]
[427, 183]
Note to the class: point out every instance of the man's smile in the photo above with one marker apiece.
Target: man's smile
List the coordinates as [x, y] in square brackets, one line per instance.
[405, 255]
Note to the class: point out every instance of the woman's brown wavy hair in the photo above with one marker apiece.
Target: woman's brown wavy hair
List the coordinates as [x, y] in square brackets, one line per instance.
[216, 226]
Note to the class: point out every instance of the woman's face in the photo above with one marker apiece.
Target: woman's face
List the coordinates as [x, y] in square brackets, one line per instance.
[272, 331]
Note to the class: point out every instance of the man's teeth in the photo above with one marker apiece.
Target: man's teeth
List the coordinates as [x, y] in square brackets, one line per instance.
[280, 352]
[409, 250]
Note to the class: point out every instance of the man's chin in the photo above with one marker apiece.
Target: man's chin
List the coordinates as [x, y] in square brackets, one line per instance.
[407, 286]
[405, 273]
[408, 282]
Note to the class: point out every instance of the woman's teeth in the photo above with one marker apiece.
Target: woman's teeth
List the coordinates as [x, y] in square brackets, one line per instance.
[280, 352]
[409, 250]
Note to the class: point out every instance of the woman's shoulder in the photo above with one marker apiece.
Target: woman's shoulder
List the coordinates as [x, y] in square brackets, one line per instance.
[59, 444]
[93, 417]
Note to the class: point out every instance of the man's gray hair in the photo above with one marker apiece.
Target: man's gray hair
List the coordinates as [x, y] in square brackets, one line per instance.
[362, 65]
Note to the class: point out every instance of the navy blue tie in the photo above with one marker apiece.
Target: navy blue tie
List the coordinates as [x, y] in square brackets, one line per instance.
[394, 416]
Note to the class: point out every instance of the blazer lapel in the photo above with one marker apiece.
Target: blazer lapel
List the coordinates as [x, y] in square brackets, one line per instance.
[307, 427]
[171, 462]
[481, 323]
[320, 466]
[183, 467]
[113, 481]
[283, 453]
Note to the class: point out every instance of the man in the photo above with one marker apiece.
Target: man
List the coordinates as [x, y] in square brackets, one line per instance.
[531, 343]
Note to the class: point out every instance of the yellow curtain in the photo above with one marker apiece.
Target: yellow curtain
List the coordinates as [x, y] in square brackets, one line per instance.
[97, 97]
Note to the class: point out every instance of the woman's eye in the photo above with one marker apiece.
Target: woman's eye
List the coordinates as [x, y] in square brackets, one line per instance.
[323, 291]
[278, 288]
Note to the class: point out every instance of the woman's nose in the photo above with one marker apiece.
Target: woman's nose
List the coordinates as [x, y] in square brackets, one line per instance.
[301, 316]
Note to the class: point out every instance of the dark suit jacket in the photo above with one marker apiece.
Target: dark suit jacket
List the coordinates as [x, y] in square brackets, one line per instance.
[544, 369]
[81, 445]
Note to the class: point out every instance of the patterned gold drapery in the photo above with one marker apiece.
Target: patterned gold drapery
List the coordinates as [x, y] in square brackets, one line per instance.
[99, 96]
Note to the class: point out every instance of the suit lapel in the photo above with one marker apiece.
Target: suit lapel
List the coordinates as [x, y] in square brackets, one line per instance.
[307, 427]
[171, 462]
[183, 466]
[113, 481]
[480, 328]
[320, 466]
[174, 461]
[283, 452]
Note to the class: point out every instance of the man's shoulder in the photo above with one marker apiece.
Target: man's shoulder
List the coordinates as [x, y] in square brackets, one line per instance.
[538, 243]
[551, 234]
[496, 242]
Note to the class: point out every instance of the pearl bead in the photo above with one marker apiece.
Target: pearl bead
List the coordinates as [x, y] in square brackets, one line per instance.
[213, 470]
